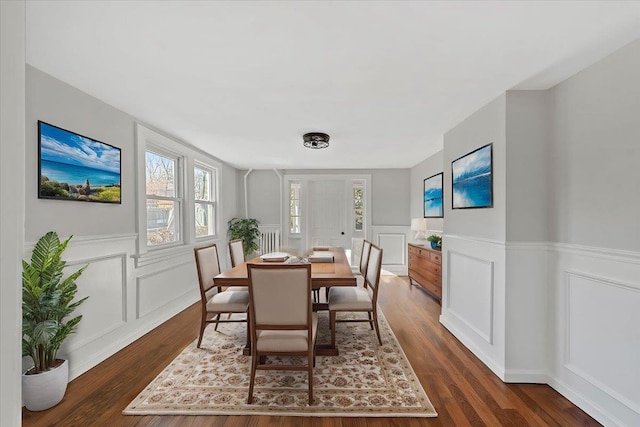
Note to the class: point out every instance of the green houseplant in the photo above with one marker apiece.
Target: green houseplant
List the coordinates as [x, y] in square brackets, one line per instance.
[247, 230]
[47, 303]
[436, 241]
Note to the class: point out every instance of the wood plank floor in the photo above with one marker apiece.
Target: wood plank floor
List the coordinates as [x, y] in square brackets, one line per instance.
[462, 389]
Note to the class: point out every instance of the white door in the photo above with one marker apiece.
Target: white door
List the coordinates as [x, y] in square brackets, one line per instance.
[328, 214]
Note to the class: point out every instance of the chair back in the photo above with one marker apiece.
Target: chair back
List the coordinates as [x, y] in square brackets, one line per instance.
[236, 251]
[208, 266]
[280, 296]
[364, 257]
[372, 278]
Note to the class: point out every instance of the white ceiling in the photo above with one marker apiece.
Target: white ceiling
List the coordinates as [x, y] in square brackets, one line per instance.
[245, 80]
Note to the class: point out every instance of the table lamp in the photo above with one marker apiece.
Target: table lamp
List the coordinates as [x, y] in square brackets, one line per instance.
[419, 225]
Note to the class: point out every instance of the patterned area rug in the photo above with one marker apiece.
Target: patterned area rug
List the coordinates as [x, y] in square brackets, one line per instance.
[365, 380]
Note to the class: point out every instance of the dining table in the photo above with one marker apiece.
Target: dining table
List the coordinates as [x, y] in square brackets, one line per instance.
[323, 274]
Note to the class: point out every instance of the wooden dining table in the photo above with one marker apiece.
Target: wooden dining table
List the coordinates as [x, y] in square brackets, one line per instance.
[323, 274]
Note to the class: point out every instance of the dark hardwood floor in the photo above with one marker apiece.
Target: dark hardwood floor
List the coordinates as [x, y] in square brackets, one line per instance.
[463, 391]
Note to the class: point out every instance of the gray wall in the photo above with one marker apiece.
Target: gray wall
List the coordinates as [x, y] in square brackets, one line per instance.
[527, 177]
[55, 102]
[595, 154]
[487, 125]
[419, 172]
[390, 193]
[264, 196]
[59, 104]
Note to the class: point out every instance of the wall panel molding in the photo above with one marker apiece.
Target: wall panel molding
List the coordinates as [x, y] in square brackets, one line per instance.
[483, 273]
[594, 294]
[393, 240]
[615, 304]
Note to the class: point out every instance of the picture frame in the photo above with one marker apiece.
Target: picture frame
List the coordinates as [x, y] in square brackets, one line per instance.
[472, 179]
[432, 194]
[77, 168]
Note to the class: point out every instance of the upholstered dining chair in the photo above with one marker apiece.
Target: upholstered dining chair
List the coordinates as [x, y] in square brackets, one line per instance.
[316, 291]
[213, 301]
[364, 259]
[236, 253]
[282, 321]
[357, 299]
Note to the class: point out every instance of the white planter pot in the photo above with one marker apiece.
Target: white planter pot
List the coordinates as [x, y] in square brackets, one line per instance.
[45, 390]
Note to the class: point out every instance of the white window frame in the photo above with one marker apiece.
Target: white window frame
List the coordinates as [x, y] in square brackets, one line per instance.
[358, 184]
[178, 197]
[189, 156]
[299, 216]
[213, 196]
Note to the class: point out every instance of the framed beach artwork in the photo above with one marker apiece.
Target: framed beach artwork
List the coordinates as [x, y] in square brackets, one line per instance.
[75, 167]
[473, 179]
[432, 193]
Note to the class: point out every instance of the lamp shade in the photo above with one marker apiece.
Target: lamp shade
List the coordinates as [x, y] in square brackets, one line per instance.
[419, 224]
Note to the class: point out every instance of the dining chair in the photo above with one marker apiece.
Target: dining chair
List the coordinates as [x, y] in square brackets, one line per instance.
[213, 301]
[282, 321]
[316, 291]
[364, 259]
[236, 253]
[356, 299]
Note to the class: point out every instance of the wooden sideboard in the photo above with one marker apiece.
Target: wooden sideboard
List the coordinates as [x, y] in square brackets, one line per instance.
[425, 268]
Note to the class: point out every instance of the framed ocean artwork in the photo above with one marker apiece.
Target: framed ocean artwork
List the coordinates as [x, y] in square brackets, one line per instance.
[432, 193]
[472, 177]
[75, 167]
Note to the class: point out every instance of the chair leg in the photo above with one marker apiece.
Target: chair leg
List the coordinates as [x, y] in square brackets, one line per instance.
[332, 326]
[203, 324]
[375, 319]
[370, 320]
[252, 378]
[326, 293]
[217, 319]
[311, 365]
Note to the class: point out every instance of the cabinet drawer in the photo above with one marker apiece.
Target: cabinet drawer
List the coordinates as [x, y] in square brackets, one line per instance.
[425, 264]
[418, 252]
[425, 276]
[431, 283]
[437, 258]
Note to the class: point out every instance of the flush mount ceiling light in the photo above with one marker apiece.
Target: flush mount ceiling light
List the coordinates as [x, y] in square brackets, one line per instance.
[316, 140]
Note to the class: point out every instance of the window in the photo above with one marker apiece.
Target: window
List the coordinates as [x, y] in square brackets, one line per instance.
[358, 206]
[205, 201]
[163, 198]
[294, 210]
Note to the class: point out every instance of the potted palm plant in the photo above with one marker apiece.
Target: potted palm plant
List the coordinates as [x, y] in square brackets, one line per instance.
[247, 230]
[47, 303]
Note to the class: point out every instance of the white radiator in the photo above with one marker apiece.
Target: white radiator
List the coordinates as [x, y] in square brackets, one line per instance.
[269, 241]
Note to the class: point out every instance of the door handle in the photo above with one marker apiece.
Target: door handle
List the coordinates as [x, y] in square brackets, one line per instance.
[342, 233]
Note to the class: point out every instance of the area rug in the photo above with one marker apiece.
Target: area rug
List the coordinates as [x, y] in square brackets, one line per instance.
[365, 380]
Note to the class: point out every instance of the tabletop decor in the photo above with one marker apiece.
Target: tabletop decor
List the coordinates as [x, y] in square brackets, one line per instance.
[365, 380]
[473, 179]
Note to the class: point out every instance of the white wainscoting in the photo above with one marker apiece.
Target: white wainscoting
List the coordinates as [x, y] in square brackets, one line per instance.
[595, 337]
[526, 326]
[473, 296]
[393, 241]
[470, 292]
[124, 302]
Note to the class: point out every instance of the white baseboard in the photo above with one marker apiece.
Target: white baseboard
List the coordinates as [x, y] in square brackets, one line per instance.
[82, 364]
[595, 411]
[470, 344]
